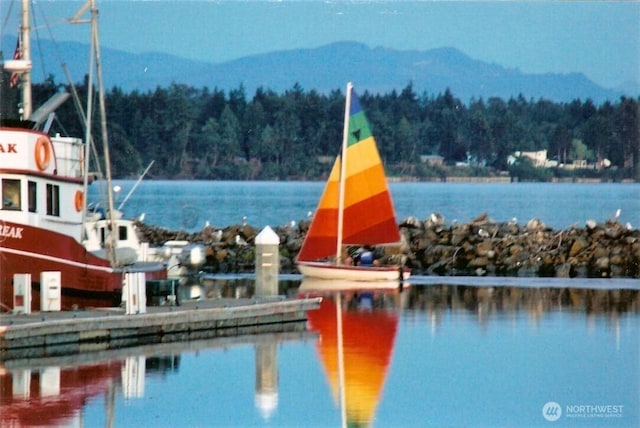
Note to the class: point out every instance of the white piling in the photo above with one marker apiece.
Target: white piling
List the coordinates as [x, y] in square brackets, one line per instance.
[136, 293]
[22, 293]
[50, 291]
[267, 263]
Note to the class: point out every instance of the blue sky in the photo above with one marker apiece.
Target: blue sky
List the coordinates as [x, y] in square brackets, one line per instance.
[599, 39]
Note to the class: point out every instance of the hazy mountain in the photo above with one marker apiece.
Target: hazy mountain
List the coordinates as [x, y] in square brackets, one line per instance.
[326, 68]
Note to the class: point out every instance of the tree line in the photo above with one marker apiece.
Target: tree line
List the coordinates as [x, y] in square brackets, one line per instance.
[198, 133]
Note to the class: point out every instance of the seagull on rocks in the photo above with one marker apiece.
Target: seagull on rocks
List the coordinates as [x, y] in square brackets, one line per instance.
[483, 233]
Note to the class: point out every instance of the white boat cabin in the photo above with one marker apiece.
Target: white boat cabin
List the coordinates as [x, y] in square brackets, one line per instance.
[41, 183]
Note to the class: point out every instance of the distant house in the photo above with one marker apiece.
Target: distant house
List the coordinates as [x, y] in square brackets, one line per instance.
[538, 159]
[432, 160]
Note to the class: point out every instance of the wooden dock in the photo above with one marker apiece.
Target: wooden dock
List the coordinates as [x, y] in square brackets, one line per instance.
[45, 334]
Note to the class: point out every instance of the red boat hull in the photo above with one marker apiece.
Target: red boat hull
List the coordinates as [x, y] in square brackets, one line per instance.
[86, 280]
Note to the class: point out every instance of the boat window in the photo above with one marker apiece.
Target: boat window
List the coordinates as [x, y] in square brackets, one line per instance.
[11, 198]
[122, 233]
[53, 200]
[32, 196]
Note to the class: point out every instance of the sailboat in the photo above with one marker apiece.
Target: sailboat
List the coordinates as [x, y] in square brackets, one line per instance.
[355, 208]
[44, 222]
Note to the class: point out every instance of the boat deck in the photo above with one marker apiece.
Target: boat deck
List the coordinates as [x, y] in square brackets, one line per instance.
[61, 333]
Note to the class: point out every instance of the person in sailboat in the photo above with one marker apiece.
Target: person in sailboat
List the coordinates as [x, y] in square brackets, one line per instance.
[364, 256]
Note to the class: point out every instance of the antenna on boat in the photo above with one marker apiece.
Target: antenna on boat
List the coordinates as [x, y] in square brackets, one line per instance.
[135, 186]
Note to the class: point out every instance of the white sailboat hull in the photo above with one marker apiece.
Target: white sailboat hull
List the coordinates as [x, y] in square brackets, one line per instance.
[321, 286]
[321, 270]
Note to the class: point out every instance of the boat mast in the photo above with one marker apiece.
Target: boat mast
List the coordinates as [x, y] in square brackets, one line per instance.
[343, 172]
[25, 47]
[94, 57]
[103, 126]
[88, 116]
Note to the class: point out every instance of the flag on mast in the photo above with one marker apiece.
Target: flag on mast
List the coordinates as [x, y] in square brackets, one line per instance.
[15, 77]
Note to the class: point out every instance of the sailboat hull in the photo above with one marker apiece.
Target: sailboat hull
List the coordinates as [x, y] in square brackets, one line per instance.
[322, 270]
[324, 287]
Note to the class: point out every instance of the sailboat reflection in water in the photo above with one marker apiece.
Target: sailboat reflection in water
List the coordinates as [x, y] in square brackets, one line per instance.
[355, 346]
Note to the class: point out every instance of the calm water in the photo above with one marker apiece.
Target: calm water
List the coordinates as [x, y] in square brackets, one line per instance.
[431, 355]
[189, 204]
[477, 353]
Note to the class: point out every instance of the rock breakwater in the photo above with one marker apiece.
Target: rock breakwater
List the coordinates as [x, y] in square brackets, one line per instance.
[433, 247]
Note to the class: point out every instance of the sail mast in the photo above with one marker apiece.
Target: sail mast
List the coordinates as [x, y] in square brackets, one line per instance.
[25, 47]
[343, 173]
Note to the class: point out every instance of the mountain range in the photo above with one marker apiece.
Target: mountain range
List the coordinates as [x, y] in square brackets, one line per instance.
[326, 68]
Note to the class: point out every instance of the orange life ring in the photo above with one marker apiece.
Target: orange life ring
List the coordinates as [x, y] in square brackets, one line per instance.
[78, 200]
[43, 153]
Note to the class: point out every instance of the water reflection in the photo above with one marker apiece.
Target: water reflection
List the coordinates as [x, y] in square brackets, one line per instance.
[488, 304]
[535, 301]
[357, 325]
[52, 395]
[386, 362]
[355, 345]
[53, 391]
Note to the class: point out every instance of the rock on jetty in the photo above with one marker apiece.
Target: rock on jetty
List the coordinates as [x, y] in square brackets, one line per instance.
[431, 247]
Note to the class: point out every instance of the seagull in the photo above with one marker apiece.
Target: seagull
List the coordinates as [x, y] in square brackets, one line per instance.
[615, 215]
[239, 241]
[244, 220]
[436, 219]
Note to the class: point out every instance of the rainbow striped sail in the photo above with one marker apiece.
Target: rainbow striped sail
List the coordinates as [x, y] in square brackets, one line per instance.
[356, 206]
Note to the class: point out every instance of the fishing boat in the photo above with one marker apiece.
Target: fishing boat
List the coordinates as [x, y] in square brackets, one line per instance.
[44, 222]
[355, 209]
